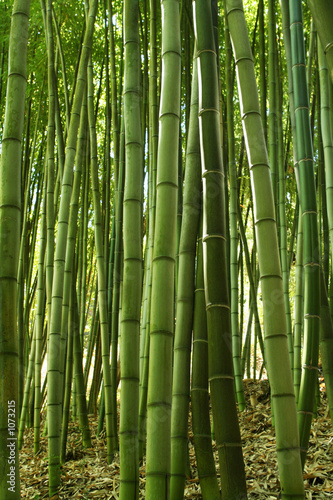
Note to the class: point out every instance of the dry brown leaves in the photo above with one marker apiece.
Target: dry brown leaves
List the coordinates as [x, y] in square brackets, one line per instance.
[86, 474]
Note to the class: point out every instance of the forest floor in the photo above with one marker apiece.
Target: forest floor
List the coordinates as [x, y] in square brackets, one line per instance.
[86, 475]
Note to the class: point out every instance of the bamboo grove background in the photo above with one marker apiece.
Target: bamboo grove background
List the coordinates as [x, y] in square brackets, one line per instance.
[166, 211]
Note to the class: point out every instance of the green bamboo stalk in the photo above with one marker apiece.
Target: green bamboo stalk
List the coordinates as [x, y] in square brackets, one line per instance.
[72, 234]
[185, 298]
[298, 309]
[84, 306]
[114, 98]
[326, 344]
[24, 259]
[322, 13]
[252, 281]
[117, 275]
[63, 70]
[199, 390]
[10, 227]
[282, 225]
[27, 388]
[40, 316]
[221, 377]
[326, 131]
[132, 274]
[78, 373]
[262, 66]
[272, 117]
[152, 152]
[162, 301]
[152, 166]
[276, 346]
[68, 386]
[236, 334]
[307, 192]
[54, 401]
[50, 152]
[101, 278]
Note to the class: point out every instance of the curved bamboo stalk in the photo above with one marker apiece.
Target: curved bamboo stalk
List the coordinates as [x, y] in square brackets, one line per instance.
[234, 238]
[276, 346]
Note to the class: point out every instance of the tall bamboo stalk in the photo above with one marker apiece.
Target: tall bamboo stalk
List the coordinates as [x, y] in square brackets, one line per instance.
[185, 298]
[307, 194]
[10, 228]
[221, 377]
[132, 274]
[234, 238]
[54, 395]
[162, 308]
[276, 346]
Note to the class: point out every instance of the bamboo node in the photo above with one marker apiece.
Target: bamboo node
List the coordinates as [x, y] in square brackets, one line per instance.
[263, 219]
[167, 183]
[223, 377]
[283, 394]
[303, 412]
[210, 236]
[235, 9]
[162, 332]
[212, 304]
[251, 112]
[199, 389]
[229, 445]
[328, 47]
[311, 367]
[290, 448]
[205, 110]
[244, 58]
[311, 316]
[205, 341]
[202, 51]
[262, 276]
[206, 172]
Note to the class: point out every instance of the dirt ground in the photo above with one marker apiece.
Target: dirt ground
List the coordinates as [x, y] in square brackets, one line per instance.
[86, 474]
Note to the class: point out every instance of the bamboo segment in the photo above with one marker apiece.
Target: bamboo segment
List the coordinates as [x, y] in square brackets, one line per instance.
[276, 346]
